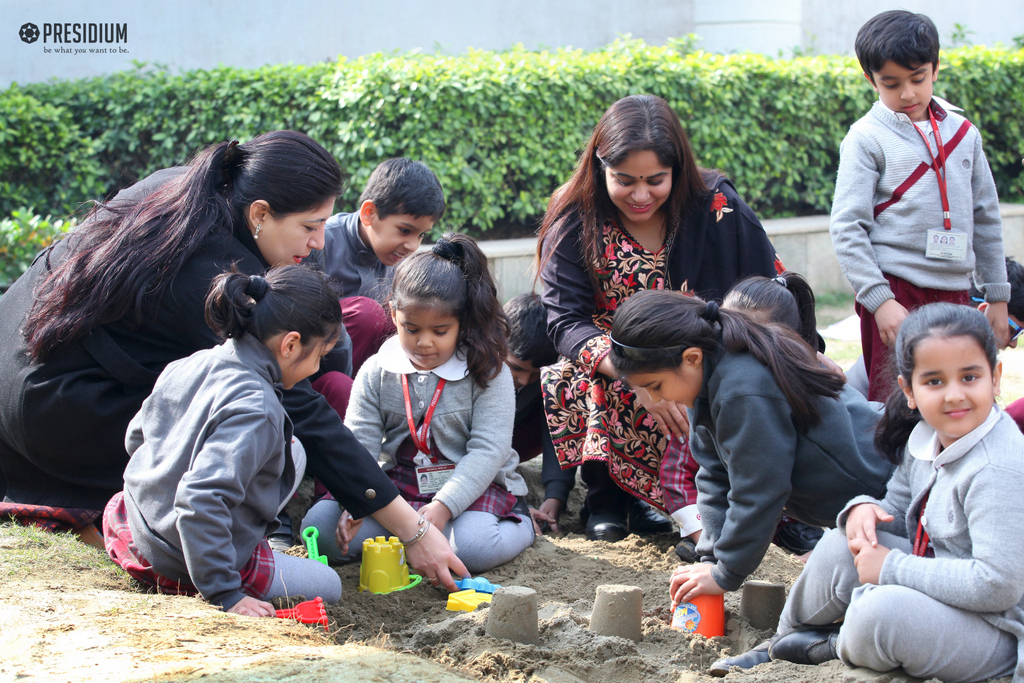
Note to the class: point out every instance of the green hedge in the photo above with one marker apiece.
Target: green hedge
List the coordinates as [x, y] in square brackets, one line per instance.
[22, 236]
[501, 129]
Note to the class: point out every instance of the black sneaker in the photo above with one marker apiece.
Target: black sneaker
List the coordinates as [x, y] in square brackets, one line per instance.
[797, 537]
[282, 538]
[813, 646]
[687, 551]
[747, 660]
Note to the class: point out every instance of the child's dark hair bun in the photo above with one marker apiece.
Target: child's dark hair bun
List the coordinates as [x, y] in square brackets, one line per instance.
[287, 299]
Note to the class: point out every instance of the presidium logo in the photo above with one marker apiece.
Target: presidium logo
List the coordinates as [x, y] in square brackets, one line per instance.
[77, 33]
[29, 33]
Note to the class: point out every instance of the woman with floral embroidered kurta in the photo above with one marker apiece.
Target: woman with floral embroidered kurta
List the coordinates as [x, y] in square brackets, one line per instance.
[637, 213]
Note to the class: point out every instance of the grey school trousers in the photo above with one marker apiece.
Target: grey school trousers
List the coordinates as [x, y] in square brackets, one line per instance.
[885, 627]
[479, 539]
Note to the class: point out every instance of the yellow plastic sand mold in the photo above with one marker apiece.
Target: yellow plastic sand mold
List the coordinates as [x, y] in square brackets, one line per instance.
[384, 569]
[467, 601]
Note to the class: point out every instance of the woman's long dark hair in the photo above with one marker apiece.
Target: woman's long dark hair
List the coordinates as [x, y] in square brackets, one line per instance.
[787, 299]
[933, 320]
[122, 258]
[633, 124]
[454, 273]
[660, 318]
[289, 299]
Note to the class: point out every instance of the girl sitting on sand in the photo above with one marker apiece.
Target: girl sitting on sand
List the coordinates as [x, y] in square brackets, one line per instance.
[772, 430]
[437, 400]
[213, 458]
[927, 578]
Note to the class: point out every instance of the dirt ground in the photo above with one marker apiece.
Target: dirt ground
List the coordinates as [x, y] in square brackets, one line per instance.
[67, 614]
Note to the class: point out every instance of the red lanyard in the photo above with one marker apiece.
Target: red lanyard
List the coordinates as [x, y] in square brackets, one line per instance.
[420, 439]
[921, 540]
[939, 168]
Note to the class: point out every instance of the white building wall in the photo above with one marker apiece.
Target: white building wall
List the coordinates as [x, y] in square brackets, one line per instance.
[190, 34]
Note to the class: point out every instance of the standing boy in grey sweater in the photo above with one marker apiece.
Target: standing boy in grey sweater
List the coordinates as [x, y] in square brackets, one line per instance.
[915, 210]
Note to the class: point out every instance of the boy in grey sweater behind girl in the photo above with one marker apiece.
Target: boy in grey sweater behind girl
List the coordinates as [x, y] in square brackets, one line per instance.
[915, 210]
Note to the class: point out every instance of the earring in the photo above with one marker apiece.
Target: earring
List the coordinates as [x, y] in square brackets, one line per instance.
[911, 404]
[259, 227]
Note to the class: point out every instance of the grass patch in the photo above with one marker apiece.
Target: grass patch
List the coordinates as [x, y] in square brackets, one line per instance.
[27, 550]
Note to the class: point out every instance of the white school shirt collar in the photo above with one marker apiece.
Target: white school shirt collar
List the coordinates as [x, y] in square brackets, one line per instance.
[923, 443]
[393, 359]
[938, 100]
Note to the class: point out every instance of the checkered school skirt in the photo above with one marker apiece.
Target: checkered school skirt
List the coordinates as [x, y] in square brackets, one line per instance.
[257, 574]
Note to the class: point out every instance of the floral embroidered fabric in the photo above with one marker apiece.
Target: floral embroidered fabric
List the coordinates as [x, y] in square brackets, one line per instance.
[592, 417]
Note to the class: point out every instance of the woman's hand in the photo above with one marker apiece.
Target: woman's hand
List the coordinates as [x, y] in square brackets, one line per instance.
[346, 531]
[690, 580]
[251, 607]
[437, 513]
[861, 522]
[868, 558]
[433, 558]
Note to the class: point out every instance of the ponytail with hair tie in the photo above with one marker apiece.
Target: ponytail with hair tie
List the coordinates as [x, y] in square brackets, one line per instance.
[781, 280]
[450, 251]
[229, 162]
[710, 312]
[257, 287]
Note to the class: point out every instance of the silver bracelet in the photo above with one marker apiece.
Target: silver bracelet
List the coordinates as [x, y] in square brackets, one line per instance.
[424, 525]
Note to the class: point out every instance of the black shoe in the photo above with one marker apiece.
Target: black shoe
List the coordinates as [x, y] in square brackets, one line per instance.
[747, 660]
[644, 519]
[606, 526]
[687, 551]
[797, 537]
[282, 539]
[806, 647]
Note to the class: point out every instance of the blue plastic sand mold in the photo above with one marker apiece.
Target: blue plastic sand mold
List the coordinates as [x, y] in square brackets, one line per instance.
[479, 584]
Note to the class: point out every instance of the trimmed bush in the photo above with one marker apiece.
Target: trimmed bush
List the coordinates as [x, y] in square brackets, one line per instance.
[24, 235]
[501, 130]
[45, 161]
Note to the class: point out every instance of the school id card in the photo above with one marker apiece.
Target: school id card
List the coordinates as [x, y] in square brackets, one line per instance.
[430, 478]
[950, 245]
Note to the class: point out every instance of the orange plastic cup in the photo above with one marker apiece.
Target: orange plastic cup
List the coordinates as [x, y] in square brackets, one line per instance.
[705, 615]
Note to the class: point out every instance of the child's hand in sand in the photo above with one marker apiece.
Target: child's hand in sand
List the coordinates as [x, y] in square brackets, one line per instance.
[547, 513]
[251, 607]
[861, 523]
[346, 531]
[868, 559]
[690, 580]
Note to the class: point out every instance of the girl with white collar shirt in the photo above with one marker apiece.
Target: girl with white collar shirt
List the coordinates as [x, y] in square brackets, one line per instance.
[436, 405]
[927, 578]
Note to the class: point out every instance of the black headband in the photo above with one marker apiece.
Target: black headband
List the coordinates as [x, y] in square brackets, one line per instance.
[648, 354]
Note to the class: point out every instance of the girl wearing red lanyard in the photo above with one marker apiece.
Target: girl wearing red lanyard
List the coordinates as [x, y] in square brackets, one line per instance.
[436, 405]
[928, 578]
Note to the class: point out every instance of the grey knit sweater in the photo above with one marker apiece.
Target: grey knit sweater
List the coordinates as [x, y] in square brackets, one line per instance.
[471, 426]
[877, 156]
[974, 516]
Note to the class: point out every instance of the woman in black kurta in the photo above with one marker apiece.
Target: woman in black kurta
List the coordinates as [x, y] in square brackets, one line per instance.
[68, 391]
[694, 234]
